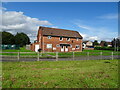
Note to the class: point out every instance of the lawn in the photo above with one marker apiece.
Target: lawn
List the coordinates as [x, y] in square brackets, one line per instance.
[60, 74]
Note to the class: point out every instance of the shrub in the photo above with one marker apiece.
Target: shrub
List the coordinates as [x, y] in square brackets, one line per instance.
[106, 48]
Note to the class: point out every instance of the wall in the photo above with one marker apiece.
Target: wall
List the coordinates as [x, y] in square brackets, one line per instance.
[55, 40]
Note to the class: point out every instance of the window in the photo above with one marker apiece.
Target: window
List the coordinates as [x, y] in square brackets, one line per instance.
[68, 39]
[57, 45]
[77, 39]
[49, 45]
[49, 37]
[70, 46]
[61, 38]
[77, 46]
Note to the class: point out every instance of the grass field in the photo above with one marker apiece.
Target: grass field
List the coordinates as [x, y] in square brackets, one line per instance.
[61, 74]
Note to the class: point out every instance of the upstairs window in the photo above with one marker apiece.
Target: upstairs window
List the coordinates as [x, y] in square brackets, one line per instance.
[61, 38]
[77, 39]
[49, 37]
[68, 39]
[77, 47]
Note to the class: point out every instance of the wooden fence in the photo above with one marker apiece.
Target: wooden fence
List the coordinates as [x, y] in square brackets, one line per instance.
[56, 56]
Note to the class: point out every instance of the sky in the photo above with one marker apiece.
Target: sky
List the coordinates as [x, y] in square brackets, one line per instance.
[93, 20]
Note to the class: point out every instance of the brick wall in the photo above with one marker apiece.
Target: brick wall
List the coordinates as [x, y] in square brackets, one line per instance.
[56, 41]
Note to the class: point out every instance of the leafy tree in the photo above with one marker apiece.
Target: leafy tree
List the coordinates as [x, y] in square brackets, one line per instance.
[116, 42]
[21, 39]
[113, 42]
[7, 38]
[95, 43]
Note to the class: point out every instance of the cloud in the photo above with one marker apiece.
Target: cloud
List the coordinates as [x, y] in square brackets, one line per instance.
[84, 27]
[109, 16]
[14, 22]
[2, 8]
[89, 37]
[54, 27]
[96, 33]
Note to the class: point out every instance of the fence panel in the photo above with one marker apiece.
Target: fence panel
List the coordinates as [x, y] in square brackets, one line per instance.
[28, 56]
[58, 56]
[65, 56]
[9, 55]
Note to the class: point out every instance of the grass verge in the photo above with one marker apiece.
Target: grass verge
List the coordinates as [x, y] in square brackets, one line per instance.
[61, 74]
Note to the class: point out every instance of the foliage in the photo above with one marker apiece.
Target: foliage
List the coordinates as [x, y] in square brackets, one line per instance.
[60, 74]
[116, 42]
[21, 39]
[7, 38]
[95, 43]
[106, 48]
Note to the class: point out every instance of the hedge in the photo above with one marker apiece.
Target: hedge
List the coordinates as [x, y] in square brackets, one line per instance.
[106, 48]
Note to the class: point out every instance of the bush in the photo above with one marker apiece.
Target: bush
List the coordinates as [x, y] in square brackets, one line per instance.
[106, 48]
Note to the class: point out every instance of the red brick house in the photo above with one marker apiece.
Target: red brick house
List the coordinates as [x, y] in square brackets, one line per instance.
[108, 44]
[57, 40]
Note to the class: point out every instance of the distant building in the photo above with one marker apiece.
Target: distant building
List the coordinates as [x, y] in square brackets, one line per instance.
[108, 44]
[57, 40]
[88, 45]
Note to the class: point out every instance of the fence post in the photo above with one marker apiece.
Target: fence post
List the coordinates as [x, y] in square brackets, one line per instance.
[88, 55]
[101, 54]
[112, 55]
[41, 54]
[73, 55]
[56, 56]
[18, 56]
[38, 56]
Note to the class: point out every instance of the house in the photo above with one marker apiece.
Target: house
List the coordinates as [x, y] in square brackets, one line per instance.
[104, 43]
[57, 40]
[88, 45]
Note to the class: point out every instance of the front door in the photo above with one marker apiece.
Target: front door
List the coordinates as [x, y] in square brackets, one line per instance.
[66, 48]
[62, 48]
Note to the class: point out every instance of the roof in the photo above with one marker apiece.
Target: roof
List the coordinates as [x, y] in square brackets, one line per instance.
[60, 32]
[87, 41]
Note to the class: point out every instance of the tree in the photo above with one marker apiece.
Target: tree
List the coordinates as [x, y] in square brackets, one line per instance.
[113, 42]
[95, 43]
[21, 39]
[7, 38]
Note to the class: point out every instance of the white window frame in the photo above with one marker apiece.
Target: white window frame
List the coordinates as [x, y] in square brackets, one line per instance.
[77, 39]
[49, 46]
[62, 38]
[49, 37]
[77, 45]
[68, 39]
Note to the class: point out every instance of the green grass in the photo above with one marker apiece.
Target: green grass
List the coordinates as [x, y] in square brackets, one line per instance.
[61, 74]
